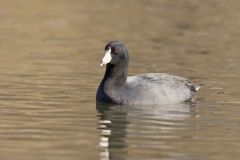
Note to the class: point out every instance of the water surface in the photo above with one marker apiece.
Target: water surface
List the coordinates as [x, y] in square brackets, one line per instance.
[49, 72]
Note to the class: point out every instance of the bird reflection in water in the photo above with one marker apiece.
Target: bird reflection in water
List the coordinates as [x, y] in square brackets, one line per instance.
[112, 125]
[116, 121]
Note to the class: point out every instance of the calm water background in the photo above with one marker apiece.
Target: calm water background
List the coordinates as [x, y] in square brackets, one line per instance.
[49, 71]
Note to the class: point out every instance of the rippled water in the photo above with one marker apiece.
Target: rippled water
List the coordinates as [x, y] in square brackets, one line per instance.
[49, 71]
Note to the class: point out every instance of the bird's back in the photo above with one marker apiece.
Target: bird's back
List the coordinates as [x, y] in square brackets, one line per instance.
[157, 88]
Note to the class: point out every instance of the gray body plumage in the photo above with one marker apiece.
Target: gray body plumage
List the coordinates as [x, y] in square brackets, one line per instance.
[158, 88]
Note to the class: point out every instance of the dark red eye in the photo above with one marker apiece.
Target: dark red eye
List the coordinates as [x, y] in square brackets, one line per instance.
[115, 50]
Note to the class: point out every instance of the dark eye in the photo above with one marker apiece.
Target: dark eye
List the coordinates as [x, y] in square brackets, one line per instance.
[115, 50]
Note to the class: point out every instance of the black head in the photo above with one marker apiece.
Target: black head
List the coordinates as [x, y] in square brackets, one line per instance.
[115, 53]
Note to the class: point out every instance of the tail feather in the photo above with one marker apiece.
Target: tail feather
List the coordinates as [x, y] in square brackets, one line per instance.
[194, 89]
[197, 87]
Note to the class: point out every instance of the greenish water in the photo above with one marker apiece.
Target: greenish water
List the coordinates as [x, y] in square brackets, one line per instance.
[49, 72]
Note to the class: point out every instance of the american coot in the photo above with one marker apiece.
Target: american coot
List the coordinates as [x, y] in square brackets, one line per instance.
[152, 88]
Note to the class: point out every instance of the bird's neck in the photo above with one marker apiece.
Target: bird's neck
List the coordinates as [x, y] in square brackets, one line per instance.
[116, 75]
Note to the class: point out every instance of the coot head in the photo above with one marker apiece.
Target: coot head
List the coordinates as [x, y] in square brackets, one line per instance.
[115, 53]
